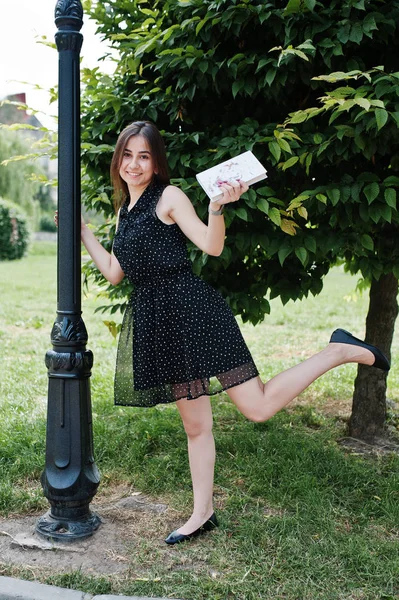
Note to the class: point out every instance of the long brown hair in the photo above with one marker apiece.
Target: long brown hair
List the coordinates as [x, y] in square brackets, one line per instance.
[158, 152]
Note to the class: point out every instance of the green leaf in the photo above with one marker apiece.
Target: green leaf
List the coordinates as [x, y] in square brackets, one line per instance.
[390, 197]
[391, 180]
[235, 58]
[284, 145]
[300, 198]
[395, 115]
[363, 102]
[334, 196]
[355, 191]
[294, 204]
[302, 254]
[308, 162]
[378, 103]
[371, 191]
[356, 33]
[293, 6]
[367, 176]
[322, 198]
[275, 216]
[263, 205]
[236, 87]
[270, 75]
[310, 244]
[395, 271]
[367, 242]
[310, 4]
[266, 191]
[169, 32]
[290, 162]
[283, 253]
[381, 116]
[302, 212]
[262, 63]
[375, 213]
[203, 66]
[300, 54]
[200, 26]
[298, 117]
[386, 212]
[275, 150]
[264, 241]
[242, 213]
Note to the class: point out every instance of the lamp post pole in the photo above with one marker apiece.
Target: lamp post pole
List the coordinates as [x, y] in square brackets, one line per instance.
[70, 478]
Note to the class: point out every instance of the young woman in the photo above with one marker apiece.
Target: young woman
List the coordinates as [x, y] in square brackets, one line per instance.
[179, 340]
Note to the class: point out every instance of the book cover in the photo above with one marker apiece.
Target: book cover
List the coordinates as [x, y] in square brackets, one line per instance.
[244, 166]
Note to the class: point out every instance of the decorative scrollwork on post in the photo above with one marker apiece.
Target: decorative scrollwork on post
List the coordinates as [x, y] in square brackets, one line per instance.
[63, 530]
[69, 8]
[68, 330]
[78, 363]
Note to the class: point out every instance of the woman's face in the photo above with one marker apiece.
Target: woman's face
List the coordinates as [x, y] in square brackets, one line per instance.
[137, 167]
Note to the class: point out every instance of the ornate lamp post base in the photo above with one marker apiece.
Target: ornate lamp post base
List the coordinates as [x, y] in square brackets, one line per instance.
[66, 530]
[70, 478]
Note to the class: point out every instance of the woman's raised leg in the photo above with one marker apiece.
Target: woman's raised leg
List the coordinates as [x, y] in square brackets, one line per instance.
[259, 401]
[197, 420]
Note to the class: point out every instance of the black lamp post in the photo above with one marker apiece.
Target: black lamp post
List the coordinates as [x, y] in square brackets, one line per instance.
[70, 479]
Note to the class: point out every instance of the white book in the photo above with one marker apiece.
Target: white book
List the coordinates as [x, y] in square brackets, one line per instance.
[245, 167]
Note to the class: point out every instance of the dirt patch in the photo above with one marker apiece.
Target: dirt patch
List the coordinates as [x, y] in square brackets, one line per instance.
[129, 521]
[380, 446]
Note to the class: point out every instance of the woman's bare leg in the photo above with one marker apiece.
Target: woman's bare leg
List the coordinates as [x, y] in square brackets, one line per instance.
[197, 420]
[259, 401]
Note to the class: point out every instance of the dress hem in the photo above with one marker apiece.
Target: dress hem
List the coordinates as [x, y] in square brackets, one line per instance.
[228, 387]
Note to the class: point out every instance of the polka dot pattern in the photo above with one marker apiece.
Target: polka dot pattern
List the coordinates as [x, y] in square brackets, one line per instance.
[179, 338]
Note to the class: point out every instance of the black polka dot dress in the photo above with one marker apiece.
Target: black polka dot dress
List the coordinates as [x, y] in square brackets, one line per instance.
[179, 338]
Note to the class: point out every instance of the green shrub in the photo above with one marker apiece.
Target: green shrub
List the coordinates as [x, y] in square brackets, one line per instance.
[14, 235]
[47, 224]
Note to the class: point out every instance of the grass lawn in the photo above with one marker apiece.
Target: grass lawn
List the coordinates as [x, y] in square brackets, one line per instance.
[302, 518]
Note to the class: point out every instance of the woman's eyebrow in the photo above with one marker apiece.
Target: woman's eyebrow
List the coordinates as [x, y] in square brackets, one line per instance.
[139, 152]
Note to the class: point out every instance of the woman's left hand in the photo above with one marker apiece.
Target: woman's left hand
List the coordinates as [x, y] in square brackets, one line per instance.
[232, 191]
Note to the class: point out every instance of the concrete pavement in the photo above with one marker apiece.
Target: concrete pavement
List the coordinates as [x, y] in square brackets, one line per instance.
[18, 589]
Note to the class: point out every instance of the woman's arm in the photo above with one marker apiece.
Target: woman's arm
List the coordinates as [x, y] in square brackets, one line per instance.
[208, 238]
[107, 263]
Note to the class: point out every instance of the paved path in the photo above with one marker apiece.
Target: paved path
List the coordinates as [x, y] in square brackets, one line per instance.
[17, 589]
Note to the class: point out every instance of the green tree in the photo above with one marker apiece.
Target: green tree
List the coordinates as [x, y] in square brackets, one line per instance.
[20, 180]
[220, 77]
[351, 140]
[14, 234]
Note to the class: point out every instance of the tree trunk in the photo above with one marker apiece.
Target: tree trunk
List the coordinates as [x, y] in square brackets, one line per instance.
[367, 421]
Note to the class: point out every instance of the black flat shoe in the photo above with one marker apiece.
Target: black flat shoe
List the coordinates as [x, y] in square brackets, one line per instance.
[177, 538]
[344, 337]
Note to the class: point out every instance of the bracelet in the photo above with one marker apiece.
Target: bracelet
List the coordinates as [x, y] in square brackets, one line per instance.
[216, 212]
